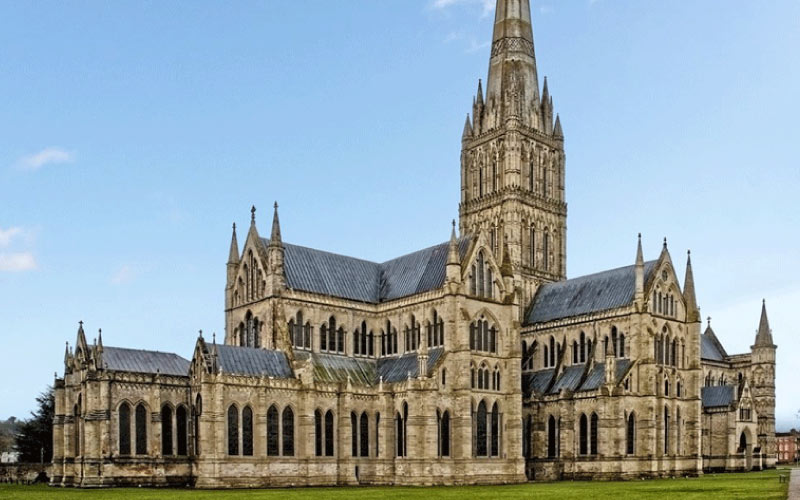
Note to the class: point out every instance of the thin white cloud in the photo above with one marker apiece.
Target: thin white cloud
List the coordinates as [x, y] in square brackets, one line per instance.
[47, 156]
[124, 275]
[17, 262]
[6, 235]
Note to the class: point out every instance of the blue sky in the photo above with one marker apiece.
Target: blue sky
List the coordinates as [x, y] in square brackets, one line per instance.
[134, 133]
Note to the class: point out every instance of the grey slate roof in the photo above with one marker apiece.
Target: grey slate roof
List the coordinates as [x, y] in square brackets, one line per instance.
[717, 396]
[139, 361]
[397, 369]
[709, 349]
[364, 371]
[336, 275]
[570, 378]
[586, 294]
[251, 361]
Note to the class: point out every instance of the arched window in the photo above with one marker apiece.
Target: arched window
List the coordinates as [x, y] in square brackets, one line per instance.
[614, 341]
[340, 340]
[398, 420]
[532, 256]
[329, 437]
[323, 337]
[141, 429]
[444, 434]
[481, 431]
[444, 376]
[575, 356]
[377, 434]
[198, 410]
[552, 442]
[182, 430]
[481, 270]
[593, 429]
[495, 431]
[546, 251]
[288, 432]
[546, 361]
[631, 434]
[166, 430]
[584, 434]
[472, 376]
[666, 430]
[678, 389]
[674, 352]
[233, 430]
[364, 437]
[678, 432]
[552, 351]
[125, 429]
[247, 432]
[621, 345]
[273, 448]
[318, 433]
[666, 388]
[582, 348]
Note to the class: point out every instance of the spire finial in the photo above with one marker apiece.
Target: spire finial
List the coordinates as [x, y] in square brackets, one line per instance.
[275, 237]
[253, 214]
[709, 321]
[80, 324]
[665, 242]
[201, 333]
[214, 337]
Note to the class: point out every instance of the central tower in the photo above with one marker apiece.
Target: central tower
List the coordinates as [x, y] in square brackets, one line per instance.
[512, 157]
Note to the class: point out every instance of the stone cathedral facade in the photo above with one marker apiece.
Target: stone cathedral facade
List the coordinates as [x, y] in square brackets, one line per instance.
[474, 361]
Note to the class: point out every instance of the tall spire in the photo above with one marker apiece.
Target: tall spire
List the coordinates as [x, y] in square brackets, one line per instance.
[764, 335]
[275, 236]
[512, 51]
[692, 313]
[233, 255]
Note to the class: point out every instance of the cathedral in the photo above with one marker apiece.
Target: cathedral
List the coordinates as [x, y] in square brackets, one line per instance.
[473, 361]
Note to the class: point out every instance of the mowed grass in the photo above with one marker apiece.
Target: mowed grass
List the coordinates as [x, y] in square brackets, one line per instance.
[753, 485]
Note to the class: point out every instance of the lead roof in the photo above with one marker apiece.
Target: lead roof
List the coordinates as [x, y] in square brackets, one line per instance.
[252, 361]
[717, 396]
[336, 275]
[587, 294]
[141, 361]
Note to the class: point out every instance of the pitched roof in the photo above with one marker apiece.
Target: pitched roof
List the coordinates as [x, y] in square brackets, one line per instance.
[586, 294]
[140, 361]
[710, 348]
[336, 275]
[252, 361]
[717, 396]
[364, 371]
[570, 378]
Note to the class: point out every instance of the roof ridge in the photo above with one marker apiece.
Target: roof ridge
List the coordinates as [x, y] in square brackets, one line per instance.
[106, 348]
[585, 276]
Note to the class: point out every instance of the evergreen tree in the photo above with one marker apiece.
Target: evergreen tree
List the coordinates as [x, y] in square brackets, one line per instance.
[36, 434]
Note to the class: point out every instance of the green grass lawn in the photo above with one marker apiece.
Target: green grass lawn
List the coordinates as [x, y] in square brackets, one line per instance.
[754, 485]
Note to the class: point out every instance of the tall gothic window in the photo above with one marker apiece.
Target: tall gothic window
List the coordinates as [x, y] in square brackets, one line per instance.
[481, 431]
[552, 351]
[436, 331]
[233, 430]
[444, 434]
[495, 431]
[630, 435]
[532, 255]
[552, 438]
[125, 429]
[182, 430]
[166, 430]
[141, 429]
[377, 434]
[364, 435]
[318, 433]
[247, 432]
[288, 432]
[546, 251]
[329, 436]
[666, 430]
[593, 429]
[584, 432]
[198, 410]
[273, 446]
[300, 332]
